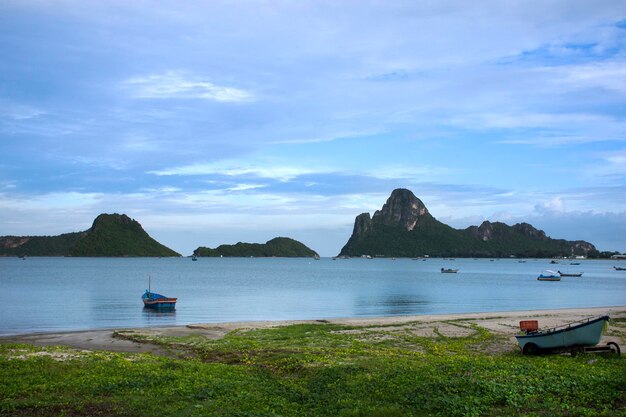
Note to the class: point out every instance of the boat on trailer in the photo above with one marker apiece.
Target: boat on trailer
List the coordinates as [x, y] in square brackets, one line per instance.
[157, 301]
[576, 337]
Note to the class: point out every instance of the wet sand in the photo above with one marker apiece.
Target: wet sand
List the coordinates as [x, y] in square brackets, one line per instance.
[505, 323]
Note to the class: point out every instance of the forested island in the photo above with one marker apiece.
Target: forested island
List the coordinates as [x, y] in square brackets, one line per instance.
[278, 247]
[111, 235]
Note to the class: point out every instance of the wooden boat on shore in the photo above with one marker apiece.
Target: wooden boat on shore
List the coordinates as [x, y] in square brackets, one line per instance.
[570, 274]
[549, 275]
[580, 336]
[449, 271]
[157, 301]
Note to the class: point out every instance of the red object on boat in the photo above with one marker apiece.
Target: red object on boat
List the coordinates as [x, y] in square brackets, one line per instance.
[529, 326]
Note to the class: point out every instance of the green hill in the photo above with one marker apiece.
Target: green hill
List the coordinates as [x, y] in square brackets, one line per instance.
[110, 235]
[283, 247]
[405, 228]
[39, 245]
[118, 235]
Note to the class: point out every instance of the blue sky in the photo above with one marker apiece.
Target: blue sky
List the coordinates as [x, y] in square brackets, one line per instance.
[215, 122]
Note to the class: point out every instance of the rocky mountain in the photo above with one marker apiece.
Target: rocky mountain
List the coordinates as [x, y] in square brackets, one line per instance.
[405, 228]
[110, 235]
[283, 247]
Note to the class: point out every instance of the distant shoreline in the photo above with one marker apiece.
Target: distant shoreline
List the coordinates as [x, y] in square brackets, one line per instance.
[452, 258]
[504, 322]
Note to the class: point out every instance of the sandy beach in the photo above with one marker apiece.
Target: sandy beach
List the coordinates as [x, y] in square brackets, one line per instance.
[504, 323]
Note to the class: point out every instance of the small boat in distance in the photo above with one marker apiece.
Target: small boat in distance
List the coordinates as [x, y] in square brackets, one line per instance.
[157, 301]
[549, 275]
[619, 268]
[572, 274]
[449, 271]
[194, 258]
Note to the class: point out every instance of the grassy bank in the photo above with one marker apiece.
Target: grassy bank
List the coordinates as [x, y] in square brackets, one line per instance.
[317, 370]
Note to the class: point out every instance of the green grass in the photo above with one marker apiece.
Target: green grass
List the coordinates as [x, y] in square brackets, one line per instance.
[313, 370]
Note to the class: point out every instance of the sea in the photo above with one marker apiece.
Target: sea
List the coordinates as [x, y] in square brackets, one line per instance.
[66, 294]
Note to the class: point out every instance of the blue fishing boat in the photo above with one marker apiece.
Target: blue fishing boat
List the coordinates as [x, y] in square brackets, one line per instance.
[157, 301]
[573, 337]
[549, 275]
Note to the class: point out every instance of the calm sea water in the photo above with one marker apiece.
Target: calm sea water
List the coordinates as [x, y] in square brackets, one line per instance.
[53, 294]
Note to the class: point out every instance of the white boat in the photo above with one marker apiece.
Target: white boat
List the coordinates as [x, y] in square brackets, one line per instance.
[570, 274]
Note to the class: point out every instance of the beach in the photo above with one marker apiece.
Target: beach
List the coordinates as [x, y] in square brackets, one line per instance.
[500, 323]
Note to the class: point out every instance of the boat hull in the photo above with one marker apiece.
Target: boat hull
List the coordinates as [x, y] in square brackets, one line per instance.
[549, 278]
[161, 304]
[583, 334]
[158, 301]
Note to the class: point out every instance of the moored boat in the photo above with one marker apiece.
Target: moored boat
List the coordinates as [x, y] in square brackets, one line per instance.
[157, 301]
[570, 274]
[154, 300]
[619, 268]
[449, 271]
[573, 336]
[549, 275]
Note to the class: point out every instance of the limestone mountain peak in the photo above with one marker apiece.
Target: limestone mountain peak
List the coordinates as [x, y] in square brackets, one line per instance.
[402, 208]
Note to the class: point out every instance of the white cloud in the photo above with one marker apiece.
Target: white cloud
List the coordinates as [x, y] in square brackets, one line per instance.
[612, 164]
[179, 84]
[403, 172]
[556, 204]
[50, 201]
[506, 120]
[234, 169]
[244, 187]
[609, 75]
[19, 111]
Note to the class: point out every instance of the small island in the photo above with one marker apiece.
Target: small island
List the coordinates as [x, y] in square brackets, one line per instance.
[279, 247]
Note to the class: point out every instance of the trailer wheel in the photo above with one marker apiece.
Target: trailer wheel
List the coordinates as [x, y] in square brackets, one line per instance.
[530, 349]
[614, 348]
[577, 350]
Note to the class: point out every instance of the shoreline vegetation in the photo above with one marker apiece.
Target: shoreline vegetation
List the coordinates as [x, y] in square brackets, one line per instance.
[443, 365]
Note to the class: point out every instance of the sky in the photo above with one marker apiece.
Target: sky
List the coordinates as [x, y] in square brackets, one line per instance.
[214, 122]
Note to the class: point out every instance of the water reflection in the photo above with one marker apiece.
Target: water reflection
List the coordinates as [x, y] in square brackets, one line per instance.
[152, 316]
[392, 305]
